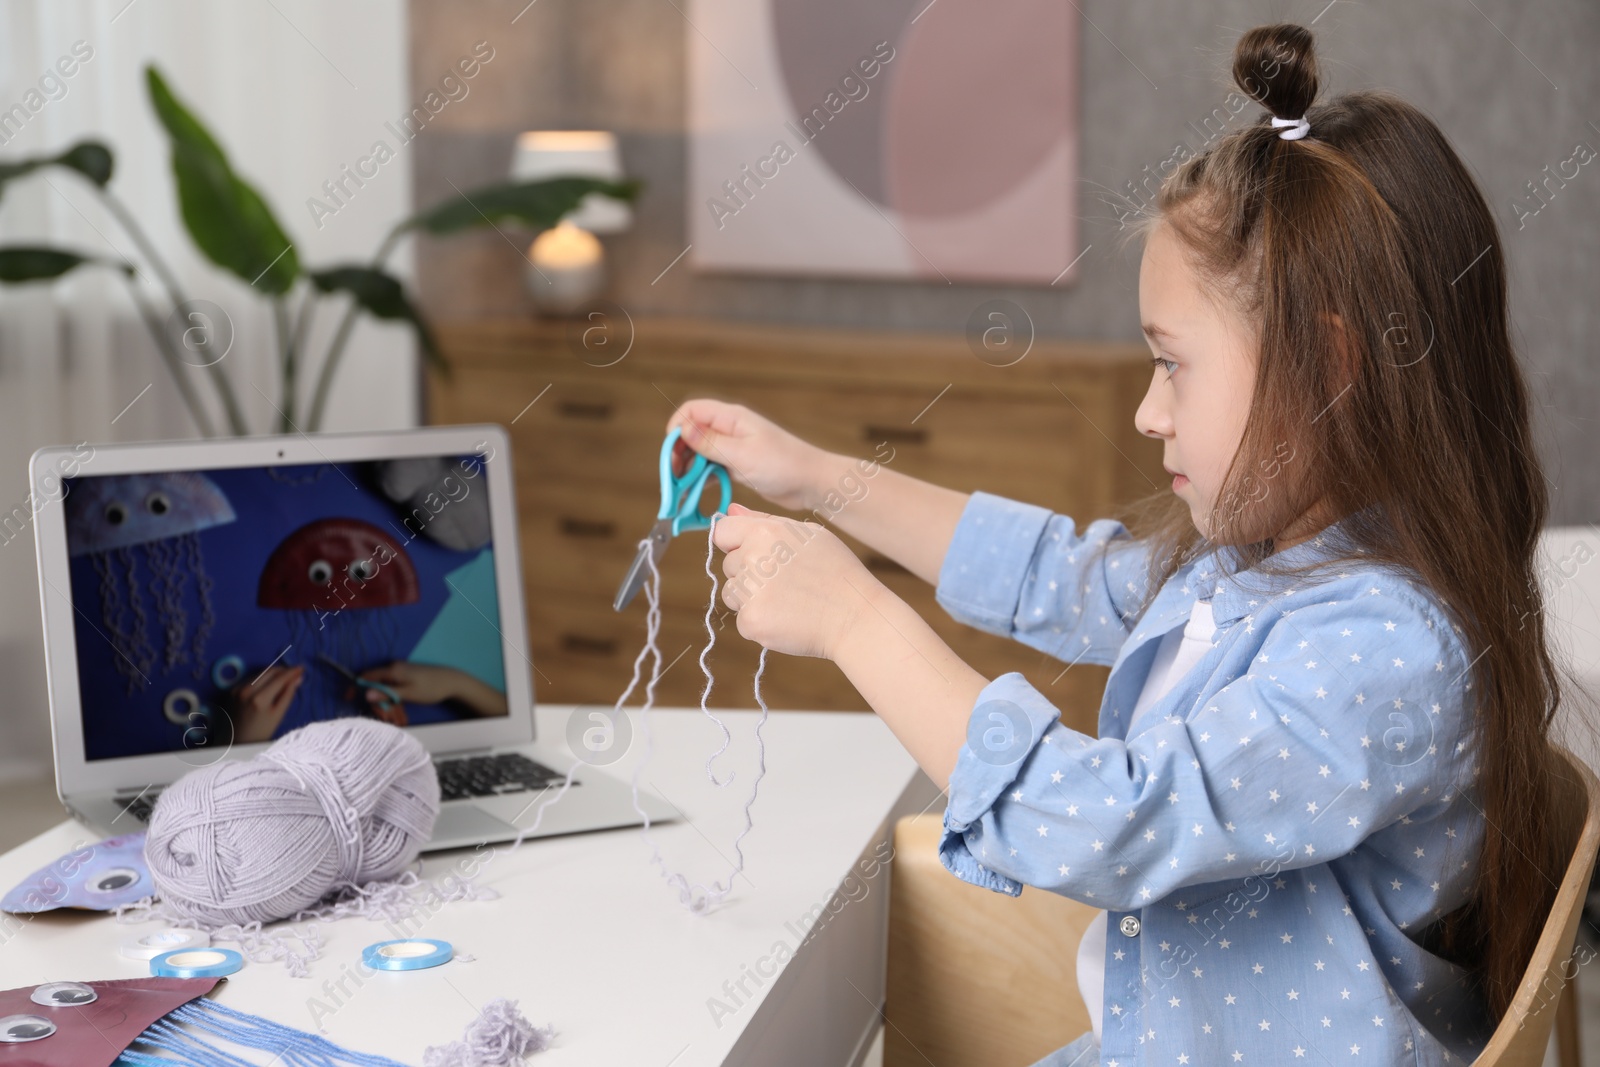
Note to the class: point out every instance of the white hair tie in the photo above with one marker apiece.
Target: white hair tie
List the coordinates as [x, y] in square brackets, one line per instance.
[1300, 127]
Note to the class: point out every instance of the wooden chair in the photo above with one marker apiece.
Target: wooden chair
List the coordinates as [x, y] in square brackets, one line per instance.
[1548, 995]
[980, 979]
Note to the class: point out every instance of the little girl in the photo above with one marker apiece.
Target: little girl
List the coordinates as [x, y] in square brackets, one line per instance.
[1319, 811]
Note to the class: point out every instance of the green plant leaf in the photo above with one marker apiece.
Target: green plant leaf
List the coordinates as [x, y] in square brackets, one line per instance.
[89, 158]
[382, 294]
[225, 216]
[36, 263]
[537, 204]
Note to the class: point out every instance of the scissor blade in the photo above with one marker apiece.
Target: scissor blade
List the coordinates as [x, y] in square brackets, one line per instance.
[639, 569]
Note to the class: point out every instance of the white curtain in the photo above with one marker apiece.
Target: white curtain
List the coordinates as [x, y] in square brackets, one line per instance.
[295, 90]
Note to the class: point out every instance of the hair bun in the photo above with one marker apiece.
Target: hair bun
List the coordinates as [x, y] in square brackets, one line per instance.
[1277, 67]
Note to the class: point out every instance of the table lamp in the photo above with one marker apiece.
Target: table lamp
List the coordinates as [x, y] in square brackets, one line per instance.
[566, 267]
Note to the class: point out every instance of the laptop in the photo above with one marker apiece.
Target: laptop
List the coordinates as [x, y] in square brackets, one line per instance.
[203, 598]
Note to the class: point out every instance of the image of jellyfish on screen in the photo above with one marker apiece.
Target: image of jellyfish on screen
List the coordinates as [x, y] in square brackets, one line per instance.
[337, 583]
[234, 605]
[139, 531]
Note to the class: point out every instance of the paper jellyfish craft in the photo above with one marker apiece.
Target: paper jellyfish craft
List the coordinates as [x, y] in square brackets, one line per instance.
[140, 532]
[99, 877]
[146, 1022]
[338, 581]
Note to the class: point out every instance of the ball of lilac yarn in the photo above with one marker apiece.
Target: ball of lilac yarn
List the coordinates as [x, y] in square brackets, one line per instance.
[332, 805]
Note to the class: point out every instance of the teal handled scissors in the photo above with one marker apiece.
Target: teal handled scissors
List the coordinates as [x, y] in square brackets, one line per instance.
[391, 698]
[680, 511]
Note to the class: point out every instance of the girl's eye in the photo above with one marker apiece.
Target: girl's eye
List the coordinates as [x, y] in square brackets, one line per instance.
[1166, 364]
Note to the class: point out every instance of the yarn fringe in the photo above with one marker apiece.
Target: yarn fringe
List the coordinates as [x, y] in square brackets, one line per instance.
[188, 1036]
[499, 1037]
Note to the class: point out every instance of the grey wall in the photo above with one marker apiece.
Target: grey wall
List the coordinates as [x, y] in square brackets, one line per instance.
[1513, 84]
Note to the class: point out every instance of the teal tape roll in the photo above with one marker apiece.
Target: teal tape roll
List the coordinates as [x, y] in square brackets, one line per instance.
[408, 955]
[196, 963]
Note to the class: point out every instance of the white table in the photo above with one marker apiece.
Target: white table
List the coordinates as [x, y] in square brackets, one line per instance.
[587, 935]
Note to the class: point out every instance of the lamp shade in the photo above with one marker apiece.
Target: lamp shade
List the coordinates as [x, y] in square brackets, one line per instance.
[576, 154]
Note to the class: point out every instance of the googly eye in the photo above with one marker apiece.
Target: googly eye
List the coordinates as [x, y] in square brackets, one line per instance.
[109, 881]
[157, 504]
[320, 571]
[362, 570]
[116, 513]
[63, 994]
[15, 1029]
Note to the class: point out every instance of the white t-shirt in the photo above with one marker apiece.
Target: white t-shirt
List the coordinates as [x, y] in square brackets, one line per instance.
[1179, 651]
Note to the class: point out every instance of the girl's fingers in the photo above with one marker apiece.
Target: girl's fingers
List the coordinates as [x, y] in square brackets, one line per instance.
[731, 532]
[734, 527]
[280, 703]
[392, 673]
[277, 679]
[682, 456]
[702, 420]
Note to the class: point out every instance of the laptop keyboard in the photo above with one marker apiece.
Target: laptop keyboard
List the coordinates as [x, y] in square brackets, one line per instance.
[139, 806]
[459, 779]
[492, 776]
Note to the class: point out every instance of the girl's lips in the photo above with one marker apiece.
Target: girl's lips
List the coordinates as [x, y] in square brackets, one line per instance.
[1178, 482]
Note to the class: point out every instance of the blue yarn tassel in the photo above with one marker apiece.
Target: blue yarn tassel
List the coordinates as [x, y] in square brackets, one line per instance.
[172, 1045]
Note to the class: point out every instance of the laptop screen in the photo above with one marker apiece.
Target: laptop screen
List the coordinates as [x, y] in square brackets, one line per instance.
[234, 605]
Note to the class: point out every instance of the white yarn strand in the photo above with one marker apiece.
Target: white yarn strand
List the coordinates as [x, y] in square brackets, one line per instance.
[711, 639]
[698, 898]
[1298, 128]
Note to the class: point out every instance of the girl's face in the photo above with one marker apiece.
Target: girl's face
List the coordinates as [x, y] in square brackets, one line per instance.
[1204, 377]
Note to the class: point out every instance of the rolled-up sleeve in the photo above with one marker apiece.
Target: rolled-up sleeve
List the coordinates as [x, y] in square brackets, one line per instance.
[1022, 572]
[1353, 715]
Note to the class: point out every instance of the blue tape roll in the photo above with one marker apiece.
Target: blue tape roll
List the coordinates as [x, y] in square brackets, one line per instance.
[412, 954]
[227, 670]
[196, 963]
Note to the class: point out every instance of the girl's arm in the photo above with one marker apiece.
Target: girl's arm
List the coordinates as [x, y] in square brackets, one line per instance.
[1352, 711]
[909, 520]
[921, 689]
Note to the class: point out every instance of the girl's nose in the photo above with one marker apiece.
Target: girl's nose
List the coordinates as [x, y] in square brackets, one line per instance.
[1153, 419]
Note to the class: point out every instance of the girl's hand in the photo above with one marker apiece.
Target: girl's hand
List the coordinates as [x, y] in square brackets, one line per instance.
[796, 587]
[429, 683]
[260, 704]
[417, 683]
[757, 452]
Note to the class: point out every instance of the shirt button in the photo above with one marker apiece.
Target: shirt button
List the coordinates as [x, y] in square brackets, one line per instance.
[1130, 925]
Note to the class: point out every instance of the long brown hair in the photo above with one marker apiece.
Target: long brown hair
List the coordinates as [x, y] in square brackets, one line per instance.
[1387, 395]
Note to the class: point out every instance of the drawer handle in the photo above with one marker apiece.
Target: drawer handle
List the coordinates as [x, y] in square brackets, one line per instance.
[883, 565]
[589, 646]
[587, 527]
[581, 409]
[904, 434]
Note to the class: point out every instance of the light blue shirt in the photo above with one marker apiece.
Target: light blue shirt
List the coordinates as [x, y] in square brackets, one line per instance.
[1282, 826]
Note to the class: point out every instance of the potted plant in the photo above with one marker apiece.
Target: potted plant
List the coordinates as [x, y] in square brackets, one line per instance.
[233, 227]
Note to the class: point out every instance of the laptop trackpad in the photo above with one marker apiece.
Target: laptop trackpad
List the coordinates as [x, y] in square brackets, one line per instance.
[468, 822]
